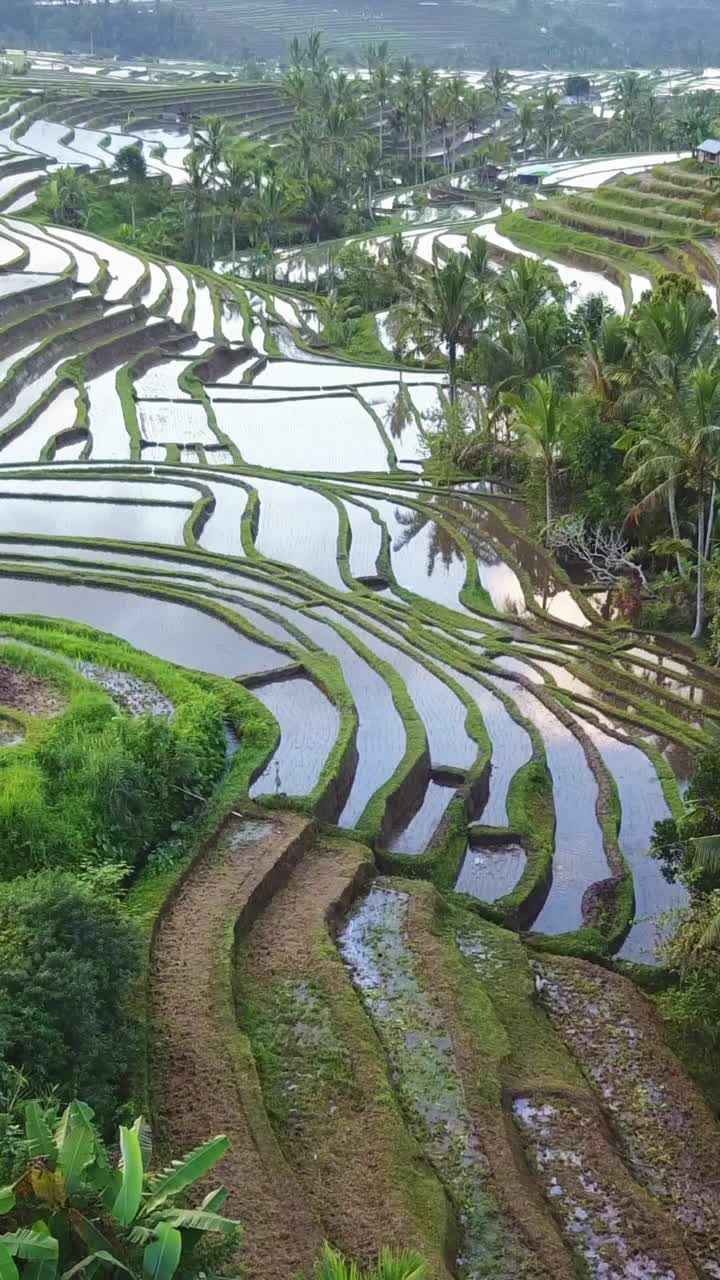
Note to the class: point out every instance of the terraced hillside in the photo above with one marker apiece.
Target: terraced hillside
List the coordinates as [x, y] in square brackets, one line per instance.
[79, 127]
[438, 600]
[637, 222]
[582, 32]
[184, 470]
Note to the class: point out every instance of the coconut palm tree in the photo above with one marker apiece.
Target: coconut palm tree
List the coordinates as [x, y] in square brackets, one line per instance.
[406, 101]
[211, 143]
[443, 307]
[366, 160]
[381, 82]
[539, 417]
[707, 859]
[271, 208]
[196, 194]
[319, 201]
[69, 195]
[684, 446]
[606, 365]
[130, 165]
[302, 143]
[425, 89]
[456, 99]
[298, 88]
[479, 259]
[398, 254]
[238, 169]
[524, 286]
[702, 404]
[671, 338]
[526, 120]
[628, 93]
[497, 82]
[549, 117]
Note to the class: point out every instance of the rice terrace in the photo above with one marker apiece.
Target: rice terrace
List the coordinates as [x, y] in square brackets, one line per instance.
[360, 666]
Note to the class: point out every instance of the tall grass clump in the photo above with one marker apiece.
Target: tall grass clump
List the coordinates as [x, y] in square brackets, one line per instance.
[104, 787]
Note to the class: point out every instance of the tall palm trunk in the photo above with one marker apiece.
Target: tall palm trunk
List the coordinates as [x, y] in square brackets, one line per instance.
[700, 597]
[548, 492]
[452, 368]
[675, 524]
[711, 522]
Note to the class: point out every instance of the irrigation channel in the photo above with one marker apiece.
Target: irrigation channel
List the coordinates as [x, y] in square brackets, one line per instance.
[181, 468]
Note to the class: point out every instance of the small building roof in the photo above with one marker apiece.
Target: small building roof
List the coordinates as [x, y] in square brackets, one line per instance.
[536, 170]
[711, 145]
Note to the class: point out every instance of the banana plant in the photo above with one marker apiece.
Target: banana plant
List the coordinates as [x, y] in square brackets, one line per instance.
[77, 1210]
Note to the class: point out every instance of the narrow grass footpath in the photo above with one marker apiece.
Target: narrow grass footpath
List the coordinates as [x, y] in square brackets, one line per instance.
[203, 1075]
[324, 1074]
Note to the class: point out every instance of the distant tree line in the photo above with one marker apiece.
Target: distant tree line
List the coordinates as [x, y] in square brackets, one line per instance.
[126, 29]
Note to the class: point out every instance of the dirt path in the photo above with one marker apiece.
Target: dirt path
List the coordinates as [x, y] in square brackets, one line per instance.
[204, 1079]
[324, 1073]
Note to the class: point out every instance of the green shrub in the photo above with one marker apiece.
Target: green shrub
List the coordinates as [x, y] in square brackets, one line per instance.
[26, 831]
[104, 787]
[67, 960]
[670, 605]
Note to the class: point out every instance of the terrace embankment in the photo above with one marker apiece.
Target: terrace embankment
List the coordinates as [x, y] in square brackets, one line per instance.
[203, 1077]
[323, 1073]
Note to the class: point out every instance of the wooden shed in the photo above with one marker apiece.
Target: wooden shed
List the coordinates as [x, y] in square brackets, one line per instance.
[709, 151]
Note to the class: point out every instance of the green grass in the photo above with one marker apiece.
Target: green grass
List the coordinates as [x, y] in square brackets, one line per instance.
[547, 238]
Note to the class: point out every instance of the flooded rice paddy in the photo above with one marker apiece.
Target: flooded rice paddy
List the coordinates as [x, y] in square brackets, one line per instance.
[294, 458]
[309, 725]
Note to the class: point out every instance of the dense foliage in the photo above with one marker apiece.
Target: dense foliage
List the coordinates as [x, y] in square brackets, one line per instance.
[125, 29]
[75, 1207]
[100, 786]
[89, 795]
[67, 962]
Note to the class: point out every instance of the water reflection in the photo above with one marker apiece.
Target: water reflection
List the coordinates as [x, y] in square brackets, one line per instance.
[490, 872]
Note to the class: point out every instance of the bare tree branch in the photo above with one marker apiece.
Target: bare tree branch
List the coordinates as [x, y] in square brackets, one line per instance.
[604, 553]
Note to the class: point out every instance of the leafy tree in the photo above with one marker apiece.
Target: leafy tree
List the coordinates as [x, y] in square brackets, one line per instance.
[69, 197]
[67, 962]
[130, 164]
[578, 87]
[365, 284]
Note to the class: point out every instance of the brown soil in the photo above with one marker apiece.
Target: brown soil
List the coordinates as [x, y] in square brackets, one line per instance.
[668, 1136]
[348, 1147]
[605, 1216]
[30, 693]
[514, 1188]
[204, 1080]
